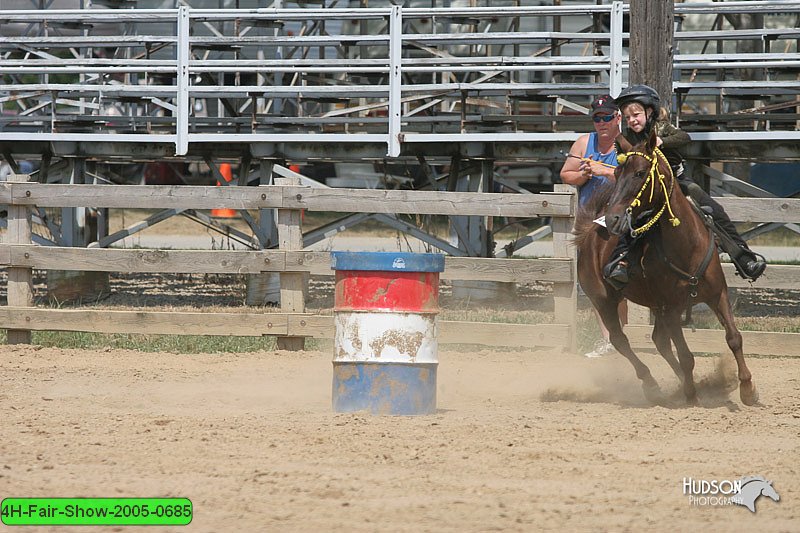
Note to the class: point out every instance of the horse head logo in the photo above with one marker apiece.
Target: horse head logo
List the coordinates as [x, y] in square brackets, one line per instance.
[752, 488]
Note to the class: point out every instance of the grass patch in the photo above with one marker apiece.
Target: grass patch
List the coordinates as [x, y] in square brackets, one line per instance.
[478, 348]
[496, 316]
[184, 344]
[752, 323]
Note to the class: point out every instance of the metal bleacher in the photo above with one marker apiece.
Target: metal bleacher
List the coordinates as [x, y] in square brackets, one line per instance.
[426, 83]
[330, 79]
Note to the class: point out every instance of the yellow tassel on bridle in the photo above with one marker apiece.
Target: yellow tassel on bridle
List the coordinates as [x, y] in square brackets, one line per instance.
[651, 180]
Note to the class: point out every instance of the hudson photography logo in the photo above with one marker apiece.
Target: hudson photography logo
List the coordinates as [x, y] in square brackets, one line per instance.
[724, 492]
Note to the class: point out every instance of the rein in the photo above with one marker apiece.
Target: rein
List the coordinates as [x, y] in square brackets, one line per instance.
[652, 175]
[693, 279]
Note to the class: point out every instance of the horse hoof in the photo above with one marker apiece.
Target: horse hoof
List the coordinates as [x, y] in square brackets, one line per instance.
[748, 392]
[690, 392]
[651, 390]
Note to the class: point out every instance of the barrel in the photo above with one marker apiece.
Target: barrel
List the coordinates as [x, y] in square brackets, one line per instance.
[386, 343]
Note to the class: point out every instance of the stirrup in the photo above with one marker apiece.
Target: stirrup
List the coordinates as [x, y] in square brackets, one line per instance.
[741, 263]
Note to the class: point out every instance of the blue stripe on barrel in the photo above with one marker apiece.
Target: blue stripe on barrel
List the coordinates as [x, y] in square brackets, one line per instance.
[385, 345]
[387, 261]
[384, 388]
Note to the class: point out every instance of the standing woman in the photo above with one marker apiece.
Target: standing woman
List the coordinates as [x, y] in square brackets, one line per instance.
[589, 166]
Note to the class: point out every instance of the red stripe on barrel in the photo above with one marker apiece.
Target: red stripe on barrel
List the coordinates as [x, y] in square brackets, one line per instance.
[393, 291]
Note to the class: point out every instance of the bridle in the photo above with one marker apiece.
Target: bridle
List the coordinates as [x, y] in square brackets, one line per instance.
[652, 176]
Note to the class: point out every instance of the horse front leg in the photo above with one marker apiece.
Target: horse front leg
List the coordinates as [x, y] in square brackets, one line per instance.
[610, 317]
[672, 323]
[663, 341]
[747, 389]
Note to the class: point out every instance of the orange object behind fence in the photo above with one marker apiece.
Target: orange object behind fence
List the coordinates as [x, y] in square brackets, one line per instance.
[296, 168]
[225, 170]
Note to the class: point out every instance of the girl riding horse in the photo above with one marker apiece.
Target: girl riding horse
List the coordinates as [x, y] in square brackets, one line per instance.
[641, 109]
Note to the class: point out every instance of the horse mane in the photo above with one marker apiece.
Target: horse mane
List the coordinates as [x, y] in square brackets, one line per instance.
[749, 479]
[587, 213]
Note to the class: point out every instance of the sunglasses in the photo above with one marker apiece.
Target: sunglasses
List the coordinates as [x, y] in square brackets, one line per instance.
[606, 118]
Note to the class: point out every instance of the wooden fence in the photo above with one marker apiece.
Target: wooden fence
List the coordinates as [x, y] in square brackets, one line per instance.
[292, 324]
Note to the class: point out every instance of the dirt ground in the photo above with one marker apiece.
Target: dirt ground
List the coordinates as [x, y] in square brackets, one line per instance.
[522, 441]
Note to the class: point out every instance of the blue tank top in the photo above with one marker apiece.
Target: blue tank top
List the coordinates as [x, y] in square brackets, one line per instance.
[588, 189]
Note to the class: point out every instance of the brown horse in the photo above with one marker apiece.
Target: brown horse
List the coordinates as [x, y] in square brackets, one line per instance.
[675, 264]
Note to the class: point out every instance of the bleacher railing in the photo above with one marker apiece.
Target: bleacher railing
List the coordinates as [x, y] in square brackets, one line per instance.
[389, 75]
[375, 75]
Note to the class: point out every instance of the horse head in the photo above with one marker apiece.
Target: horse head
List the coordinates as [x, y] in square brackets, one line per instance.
[752, 488]
[769, 491]
[644, 183]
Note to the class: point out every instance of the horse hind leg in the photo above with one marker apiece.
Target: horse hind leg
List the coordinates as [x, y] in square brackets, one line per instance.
[747, 388]
[610, 317]
[663, 341]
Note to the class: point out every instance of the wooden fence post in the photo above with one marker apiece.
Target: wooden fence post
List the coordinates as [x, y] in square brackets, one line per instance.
[20, 279]
[566, 294]
[290, 238]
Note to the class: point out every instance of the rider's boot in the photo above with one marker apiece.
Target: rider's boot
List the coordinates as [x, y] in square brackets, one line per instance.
[749, 264]
[616, 271]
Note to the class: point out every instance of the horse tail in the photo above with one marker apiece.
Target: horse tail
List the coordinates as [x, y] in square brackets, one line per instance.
[587, 213]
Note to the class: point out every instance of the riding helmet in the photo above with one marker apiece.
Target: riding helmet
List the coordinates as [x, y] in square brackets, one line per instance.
[642, 94]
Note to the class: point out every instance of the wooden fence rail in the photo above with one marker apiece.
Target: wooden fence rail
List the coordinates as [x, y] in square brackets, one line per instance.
[20, 317]
[288, 197]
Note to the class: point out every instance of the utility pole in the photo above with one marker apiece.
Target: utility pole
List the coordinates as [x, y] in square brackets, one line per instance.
[651, 30]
